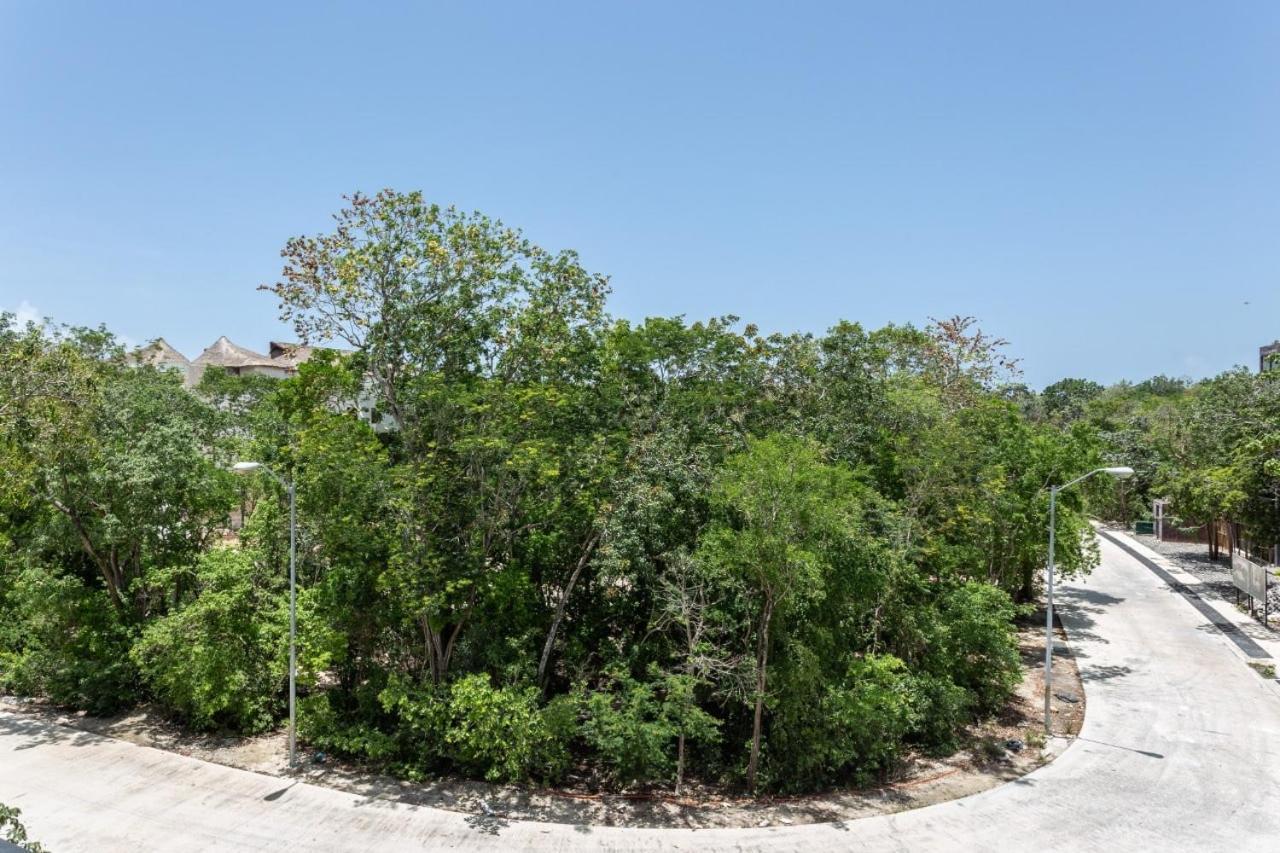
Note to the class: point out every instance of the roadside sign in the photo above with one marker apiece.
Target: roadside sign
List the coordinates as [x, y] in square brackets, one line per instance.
[1248, 576]
[1251, 579]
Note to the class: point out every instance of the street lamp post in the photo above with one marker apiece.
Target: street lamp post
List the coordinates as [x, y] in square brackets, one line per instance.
[1119, 472]
[248, 468]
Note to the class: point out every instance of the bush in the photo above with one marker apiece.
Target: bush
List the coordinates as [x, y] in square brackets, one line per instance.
[322, 725]
[680, 706]
[221, 660]
[973, 643]
[945, 707]
[632, 730]
[560, 721]
[419, 716]
[69, 645]
[870, 714]
[823, 733]
[500, 733]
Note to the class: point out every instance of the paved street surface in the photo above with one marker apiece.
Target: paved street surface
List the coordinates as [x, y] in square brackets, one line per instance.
[1180, 751]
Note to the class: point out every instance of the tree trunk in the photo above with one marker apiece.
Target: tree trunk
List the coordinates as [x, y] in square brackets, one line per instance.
[564, 600]
[106, 567]
[762, 662]
[680, 763]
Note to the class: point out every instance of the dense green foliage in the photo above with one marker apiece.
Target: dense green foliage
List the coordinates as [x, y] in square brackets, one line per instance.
[66, 642]
[215, 659]
[1212, 448]
[562, 542]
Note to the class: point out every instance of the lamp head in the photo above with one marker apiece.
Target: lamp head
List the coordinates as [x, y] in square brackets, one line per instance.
[1120, 472]
[246, 467]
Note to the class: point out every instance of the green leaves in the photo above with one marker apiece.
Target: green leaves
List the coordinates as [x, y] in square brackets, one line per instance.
[528, 532]
[497, 732]
[64, 641]
[782, 508]
[221, 660]
[633, 724]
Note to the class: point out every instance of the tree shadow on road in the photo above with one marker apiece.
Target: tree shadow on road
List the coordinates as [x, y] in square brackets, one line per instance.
[1104, 672]
[33, 733]
[1078, 608]
[1095, 597]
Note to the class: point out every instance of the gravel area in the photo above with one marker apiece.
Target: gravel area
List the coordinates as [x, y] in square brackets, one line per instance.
[1193, 558]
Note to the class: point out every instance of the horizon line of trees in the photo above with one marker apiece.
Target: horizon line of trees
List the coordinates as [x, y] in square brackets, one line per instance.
[1209, 447]
[622, 552]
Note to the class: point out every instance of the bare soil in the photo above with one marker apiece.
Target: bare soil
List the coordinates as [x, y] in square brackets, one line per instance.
[997, 750]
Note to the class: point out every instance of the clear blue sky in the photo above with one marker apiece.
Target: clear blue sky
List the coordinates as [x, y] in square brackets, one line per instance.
[1097, 182]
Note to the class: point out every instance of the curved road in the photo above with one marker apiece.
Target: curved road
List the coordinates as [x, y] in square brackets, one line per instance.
[1180, 750]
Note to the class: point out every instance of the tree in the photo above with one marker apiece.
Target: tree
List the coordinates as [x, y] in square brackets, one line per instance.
[780, 508]
[963, 361]
[124, 457]
[1065, 400]
[977, 497]
[689, 606]
[474, 339]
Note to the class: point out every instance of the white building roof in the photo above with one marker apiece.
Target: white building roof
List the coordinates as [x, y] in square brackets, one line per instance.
[158, 353]
[224, 353]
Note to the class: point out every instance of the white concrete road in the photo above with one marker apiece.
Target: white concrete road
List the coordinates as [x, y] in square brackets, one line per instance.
[1180, 750]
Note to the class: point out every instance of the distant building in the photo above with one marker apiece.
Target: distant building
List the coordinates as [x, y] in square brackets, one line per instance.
[1269, 356]
[160, 355]
[291, 354]
[227, 355]
[281, 362]
[239, 361]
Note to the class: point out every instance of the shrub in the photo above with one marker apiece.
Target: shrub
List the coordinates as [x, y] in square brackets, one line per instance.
[69, 645]
[322, 725]
[870, 714]
[500, 733]
[944, 707]
[419, 716]
[827, 733]
[560, 726]
[495, 731]
[973, 643]
[631, 729]
[221, 659]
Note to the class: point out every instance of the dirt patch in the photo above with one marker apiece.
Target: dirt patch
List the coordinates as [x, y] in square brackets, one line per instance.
[1067, 704]
[997, 750]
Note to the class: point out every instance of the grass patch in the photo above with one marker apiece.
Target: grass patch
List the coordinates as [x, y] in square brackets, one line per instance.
[1266, 670]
